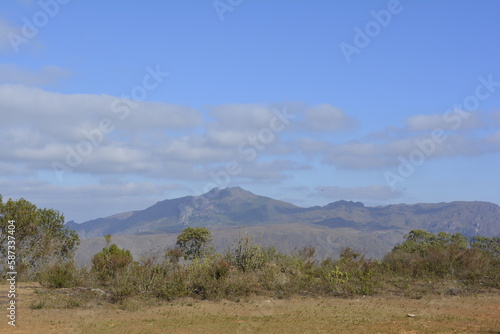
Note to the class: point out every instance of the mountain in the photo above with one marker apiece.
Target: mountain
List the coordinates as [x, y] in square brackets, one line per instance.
[374, 230]
[227, 207]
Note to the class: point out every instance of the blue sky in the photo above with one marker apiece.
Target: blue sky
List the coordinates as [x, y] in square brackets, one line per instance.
[111, 106]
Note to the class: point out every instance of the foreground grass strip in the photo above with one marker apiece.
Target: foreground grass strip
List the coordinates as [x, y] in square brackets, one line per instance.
[388, 314]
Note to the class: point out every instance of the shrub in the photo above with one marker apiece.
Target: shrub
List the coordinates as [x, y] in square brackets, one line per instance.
[352, 274]
[248, 256]
[59, 276]
[173, 255]
[110, 261]
[426, 264]
[219, 269]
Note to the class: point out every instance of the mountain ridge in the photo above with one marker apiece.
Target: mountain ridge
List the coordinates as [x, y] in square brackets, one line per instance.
[236, 206]
[373, 231]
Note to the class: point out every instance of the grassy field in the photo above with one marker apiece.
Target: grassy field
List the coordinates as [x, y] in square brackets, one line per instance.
[432, 314]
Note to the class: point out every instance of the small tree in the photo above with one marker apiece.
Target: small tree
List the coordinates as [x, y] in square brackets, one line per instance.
[490, 246]
[40, 236]
[193, 241]
[456, 240]
[424, 253]
[419, 242]
[111, 260]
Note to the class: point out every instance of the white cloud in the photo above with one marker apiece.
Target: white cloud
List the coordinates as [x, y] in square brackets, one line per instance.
[311, 146]
[47, 75]
[356, 155]
[361, 155]
[325, 117]
[424, 122]
[371, 192]
[11, 170]
[246, 117]
[66, 115]
[494, 118]
[43, 128]
[494, 141]
[234, 127]
[119, 196]
[228, 138]
[192, 149]
[117, 159]
[153, 139]
[434, 135]
[269, 170]
[468, 120]
[155, 115]
[161, 140]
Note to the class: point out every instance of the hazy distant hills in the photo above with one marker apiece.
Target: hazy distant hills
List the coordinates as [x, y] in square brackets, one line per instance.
[374, 230]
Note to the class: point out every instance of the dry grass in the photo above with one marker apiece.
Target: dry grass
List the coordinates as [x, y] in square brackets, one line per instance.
[433, 314]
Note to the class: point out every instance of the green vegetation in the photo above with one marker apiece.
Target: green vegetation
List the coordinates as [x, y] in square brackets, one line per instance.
[39, 238]
[110, 261]
[425, 263]
[192, 241]
[421, 242]
[447, 256]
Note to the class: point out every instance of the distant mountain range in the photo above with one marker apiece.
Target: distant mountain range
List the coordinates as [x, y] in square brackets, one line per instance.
[373, 230]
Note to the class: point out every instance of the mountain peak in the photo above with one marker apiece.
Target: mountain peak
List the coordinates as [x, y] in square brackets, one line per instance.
[343, 203]
[217, 193]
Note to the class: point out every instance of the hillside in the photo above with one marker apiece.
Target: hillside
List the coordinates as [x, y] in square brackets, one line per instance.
[238, 207]
[227, 207]
[372, 230]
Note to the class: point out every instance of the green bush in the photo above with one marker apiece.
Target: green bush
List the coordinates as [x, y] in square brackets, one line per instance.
[351, 274]
[248, 256]
[59, 276]
[424, 264]
[444, 256]
[110, 261]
